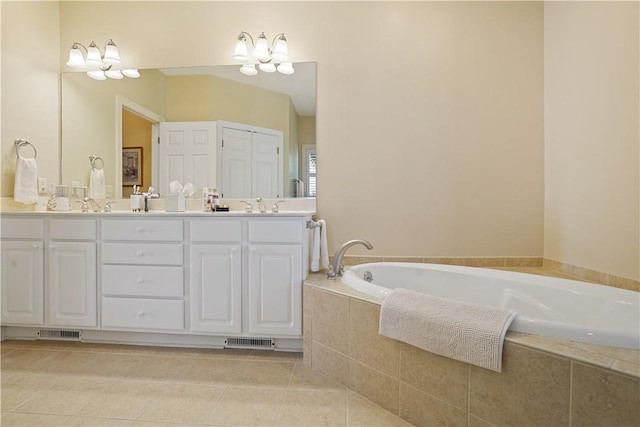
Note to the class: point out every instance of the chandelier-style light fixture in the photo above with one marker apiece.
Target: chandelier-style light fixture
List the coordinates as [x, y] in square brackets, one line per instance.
[268, 59]
[100, 66]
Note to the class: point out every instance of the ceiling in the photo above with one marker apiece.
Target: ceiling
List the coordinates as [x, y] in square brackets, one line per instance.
[300, 86]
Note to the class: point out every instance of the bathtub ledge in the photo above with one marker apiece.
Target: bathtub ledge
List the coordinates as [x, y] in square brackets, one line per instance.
[620, 360]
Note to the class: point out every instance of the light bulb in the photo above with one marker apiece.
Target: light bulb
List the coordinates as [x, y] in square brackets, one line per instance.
[286, 68]
[280, 50]
[261, 52]
[114, 74]
[111, 55]
[131, 72]
[93, 54]
[75, 57]
[267, 68]
[249, 69]
[240, 54]
[97, 75]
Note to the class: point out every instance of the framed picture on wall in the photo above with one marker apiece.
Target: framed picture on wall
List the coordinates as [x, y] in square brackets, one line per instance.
[132, 166]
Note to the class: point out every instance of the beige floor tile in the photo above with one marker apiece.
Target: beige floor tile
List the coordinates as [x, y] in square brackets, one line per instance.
[313, 408]
[26, 360]
[66, 396]
[105, 365]
[18, 388]
[154, 368]
[66, 363]
[31, 420]
[246, 406]
[211, 372]
[362, 412]
[265, 374]
[125, 400]
[95, 422]
[281, 356]
[182, 403]
[304, 377]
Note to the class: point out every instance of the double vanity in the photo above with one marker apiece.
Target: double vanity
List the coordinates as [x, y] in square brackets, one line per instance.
[185, 279]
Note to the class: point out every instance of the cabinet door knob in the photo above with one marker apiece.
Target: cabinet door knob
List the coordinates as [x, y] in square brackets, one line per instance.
[35, 246]
[140, 280]
[140, 313]
[139, 229]
[139, 253]
[252, 249]
[52, 247]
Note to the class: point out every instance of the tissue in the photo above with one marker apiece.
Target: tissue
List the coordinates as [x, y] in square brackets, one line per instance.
[175, 200]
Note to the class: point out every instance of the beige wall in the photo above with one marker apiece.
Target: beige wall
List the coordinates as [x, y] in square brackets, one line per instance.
[430, 114]
[592, 206]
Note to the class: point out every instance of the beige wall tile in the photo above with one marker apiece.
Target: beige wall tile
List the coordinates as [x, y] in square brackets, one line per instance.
[375, 386]
[440, 376]
[485, 262]
[602, 398]
[449, 261]
[402, 259]
[331, 321]
[331, 363]
[532, 389]
[307, 338]
[622, 282]
[589, 275]
[479, 422]
[422, 409]
[355, 260]
[367, 346]
[523, 262]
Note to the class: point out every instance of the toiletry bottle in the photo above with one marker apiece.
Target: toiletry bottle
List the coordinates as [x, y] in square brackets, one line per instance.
[205, 198]
[216, 199]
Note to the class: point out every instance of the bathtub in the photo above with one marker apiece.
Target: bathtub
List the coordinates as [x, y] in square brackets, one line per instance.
[547, 306]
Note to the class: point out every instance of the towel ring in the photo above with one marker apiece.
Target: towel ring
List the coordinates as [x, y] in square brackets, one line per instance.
[93, 160]
[23, 142]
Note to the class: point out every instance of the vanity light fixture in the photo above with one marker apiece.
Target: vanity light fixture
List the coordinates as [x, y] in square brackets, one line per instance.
[99, 65]
[268, 59]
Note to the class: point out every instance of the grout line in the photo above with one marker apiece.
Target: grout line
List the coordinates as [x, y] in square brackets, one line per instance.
[570, 392]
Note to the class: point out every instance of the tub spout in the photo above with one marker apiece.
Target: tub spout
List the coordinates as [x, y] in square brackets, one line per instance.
[336, 268]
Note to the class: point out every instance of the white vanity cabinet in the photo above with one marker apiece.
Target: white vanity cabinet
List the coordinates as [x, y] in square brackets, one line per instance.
[22, 271]
[71, 272]
[216, 275]
[142, 274]
[275, 274]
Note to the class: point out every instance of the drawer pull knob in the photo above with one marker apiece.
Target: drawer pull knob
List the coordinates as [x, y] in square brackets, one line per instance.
[139, 253]
[35, 246]
[140, 280]
[139, 229]
[140, 313]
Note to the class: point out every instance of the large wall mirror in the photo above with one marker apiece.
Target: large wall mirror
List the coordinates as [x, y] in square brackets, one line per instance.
[116, 120]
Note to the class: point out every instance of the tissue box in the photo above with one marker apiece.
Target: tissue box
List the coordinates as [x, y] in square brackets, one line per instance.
[174, 203]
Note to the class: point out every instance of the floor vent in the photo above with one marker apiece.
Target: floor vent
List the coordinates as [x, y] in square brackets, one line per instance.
[250, 343]
[58, 334]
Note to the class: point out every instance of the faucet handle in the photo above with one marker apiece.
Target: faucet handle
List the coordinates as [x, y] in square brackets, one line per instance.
[275, 208]
[107, 206]
[248, 207]
[85, 207]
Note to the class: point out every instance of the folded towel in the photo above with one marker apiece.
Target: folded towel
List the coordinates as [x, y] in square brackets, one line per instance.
[324, 255]
[471, 333]
[315, 251]
[96, 184]
[25, 189]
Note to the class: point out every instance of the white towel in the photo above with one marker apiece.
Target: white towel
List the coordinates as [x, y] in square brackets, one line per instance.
[96, 184]
[324, 255]
[315, 251]
[25, 189]
[471, 333]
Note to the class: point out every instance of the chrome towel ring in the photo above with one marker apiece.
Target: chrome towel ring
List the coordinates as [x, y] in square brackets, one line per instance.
[20, 143]
[94, 159]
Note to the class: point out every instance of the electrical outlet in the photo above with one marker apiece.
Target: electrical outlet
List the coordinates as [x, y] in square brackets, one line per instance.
[42, 185]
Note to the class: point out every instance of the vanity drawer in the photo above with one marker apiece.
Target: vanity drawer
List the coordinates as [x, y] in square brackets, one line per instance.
[139, 313]
[72, 229]
[144, 281]
[140, 230]
[142, 253]
[215, 230]
[22, 228]
[275, 230]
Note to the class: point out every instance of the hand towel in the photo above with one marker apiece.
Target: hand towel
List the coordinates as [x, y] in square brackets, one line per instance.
[96, 184]
[315, 251]
[324, 255]
[467, 332]
[25, 189]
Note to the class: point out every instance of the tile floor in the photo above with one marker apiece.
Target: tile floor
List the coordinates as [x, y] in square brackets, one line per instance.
[50, 383]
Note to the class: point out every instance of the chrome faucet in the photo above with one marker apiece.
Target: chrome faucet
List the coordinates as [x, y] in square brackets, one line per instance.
[261, 206]
[336, 268]
[94, 204]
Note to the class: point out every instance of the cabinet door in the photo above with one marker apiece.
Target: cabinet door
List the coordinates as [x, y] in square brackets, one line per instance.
[275, 289]
[71, 273]
[216, 288]
[22, 283]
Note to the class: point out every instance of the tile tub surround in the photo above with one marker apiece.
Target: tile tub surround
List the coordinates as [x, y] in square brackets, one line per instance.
[545, 381]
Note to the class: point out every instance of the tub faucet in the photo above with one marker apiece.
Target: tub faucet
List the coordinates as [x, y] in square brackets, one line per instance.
[337, 268]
